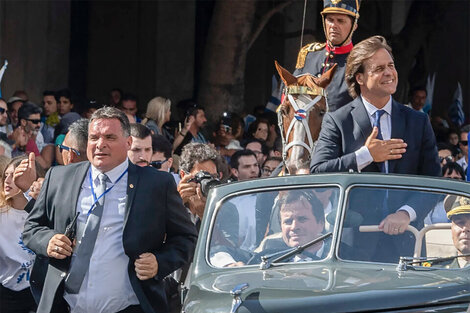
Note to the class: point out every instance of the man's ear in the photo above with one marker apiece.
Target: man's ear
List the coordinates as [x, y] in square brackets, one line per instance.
[23, 122]
[129, 143]
[71, 157]
[234, 172]
[170, 162]
[360, 78]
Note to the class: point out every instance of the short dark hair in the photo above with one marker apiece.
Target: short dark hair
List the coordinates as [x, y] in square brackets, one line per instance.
[234, 160]
[27, 109]
[358, 55]
[196, 153]
[129, 97]
[443, 146]
[417, 88]
[108, 112]
[292, 196]
[78, 130]
[264, 148]
[140, 131]
[66, 93]
[273, 158]
[465, 129]
[161, 144]
[449, 167]
[51, 93]
[194, 109]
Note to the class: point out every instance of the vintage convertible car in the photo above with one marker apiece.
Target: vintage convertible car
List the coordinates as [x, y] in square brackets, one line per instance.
[315, 243]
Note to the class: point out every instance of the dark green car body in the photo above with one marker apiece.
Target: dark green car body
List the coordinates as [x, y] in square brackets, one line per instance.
[331, 284]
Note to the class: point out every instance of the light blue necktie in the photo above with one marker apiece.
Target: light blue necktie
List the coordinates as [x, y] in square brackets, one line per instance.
[86, 243]
[377, 115]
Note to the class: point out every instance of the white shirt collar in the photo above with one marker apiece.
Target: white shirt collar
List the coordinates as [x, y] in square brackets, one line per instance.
[371, 109]
[113, 174]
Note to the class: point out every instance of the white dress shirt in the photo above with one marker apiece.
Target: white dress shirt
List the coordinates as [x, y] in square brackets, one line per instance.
[363, 156]
[106, 287]
[246, 205]
[463, 163]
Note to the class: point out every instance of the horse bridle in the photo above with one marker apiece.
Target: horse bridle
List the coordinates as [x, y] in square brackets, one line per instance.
[300, 115]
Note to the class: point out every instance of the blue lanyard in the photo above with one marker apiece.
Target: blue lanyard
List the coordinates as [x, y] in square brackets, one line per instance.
[96, 199]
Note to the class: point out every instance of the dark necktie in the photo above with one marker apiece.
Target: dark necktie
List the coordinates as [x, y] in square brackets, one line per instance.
[86, 243]
[377, 115]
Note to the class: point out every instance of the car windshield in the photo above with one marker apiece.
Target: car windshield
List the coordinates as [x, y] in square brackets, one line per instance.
[254, 225]
[375, 226]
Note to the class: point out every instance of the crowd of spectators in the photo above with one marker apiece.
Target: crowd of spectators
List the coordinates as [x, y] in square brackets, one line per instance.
[234, 148]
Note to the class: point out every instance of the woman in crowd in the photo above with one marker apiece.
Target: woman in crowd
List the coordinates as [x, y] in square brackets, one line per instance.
[16, 260]
[260, 130]
[158, 113]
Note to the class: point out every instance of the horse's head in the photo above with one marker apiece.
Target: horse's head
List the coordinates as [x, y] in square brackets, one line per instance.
[300, 115]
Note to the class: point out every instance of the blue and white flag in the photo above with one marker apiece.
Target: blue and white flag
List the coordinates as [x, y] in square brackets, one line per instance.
[456, 113]
[275, 98]
[429, 92]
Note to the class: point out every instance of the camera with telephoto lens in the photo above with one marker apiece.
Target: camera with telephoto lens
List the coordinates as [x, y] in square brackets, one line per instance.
[206, 180]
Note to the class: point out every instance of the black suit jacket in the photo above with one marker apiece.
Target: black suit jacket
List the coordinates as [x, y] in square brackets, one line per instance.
[346, 130]
[155, 221]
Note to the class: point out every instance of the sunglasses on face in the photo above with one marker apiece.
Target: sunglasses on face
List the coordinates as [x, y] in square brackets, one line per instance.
[2, 110]
[447, 158]
[62, 148]
[157, 164]
[464, 142]
[34, 121]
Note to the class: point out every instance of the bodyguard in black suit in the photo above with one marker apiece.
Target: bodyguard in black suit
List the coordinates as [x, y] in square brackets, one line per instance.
[373, 133]
[156, 235]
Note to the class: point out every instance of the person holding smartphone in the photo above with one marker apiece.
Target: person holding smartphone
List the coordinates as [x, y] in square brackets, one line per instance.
[194, 122]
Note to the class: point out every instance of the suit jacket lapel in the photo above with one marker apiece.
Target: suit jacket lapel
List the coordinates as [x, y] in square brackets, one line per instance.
[398, 128]
[81, 172]
[132, 180]
[361, 117]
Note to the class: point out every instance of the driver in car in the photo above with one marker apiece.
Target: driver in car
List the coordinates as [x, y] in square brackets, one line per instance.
[458, 211]
[302, 220]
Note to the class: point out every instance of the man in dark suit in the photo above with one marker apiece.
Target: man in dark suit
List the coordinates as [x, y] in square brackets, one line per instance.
[140, 232]
[374, 133]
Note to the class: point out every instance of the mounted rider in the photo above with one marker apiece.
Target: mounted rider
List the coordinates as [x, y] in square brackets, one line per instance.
[339, 23]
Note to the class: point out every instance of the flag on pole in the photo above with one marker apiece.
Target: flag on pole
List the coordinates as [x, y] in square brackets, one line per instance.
[429, 92]
[456, 113]
[2, 71]
[275, 98]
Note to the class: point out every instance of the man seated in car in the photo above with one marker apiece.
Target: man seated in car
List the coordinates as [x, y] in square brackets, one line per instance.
[458, 211]
[302, 219]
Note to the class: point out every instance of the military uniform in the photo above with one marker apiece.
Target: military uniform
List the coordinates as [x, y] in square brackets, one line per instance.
[316, 59]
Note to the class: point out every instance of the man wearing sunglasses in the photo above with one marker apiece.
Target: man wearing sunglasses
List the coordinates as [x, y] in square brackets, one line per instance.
[4, 127]
[162, 158]
[29, 120]
[73, 148]
[463, 144]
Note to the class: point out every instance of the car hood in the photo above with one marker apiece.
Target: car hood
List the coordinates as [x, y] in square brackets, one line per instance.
[315, 288]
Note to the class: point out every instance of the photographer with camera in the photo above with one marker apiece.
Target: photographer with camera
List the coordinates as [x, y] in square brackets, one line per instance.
[198, 171]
